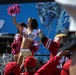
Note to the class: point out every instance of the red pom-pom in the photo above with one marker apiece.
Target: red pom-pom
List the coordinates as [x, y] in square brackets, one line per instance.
[35, 46]
[11, 10]
[14, 9]
[17, 8]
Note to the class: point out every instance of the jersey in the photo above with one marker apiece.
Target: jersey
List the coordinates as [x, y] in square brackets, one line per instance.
[53, 47]
[31, 35]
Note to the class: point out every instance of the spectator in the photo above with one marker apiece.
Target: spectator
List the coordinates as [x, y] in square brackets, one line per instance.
[30, 65]
[6, 57]
[53, 46]
[70, 6]
[12, 68]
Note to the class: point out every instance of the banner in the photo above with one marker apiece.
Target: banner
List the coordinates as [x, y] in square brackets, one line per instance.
[52, 19]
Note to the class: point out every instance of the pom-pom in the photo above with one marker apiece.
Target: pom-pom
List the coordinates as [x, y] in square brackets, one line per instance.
[34, 46]
[13, 10]
[15, 46]
[17, 8]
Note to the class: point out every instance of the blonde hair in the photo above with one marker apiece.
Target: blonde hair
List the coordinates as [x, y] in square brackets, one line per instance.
[60, 35]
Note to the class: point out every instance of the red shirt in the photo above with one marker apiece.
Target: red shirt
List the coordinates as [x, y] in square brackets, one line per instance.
[53, 47]
[46, 69]
[65, 69]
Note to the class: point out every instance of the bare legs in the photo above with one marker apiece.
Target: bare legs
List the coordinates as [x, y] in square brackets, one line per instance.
[20, 58]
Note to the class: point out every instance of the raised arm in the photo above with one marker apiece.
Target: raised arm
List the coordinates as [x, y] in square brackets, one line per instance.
[17, 24]
[50, 66]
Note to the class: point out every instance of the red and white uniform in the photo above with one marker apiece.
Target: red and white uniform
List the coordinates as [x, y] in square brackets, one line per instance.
[30, 35]
[16, 36]
[53, 47]
[34, 47]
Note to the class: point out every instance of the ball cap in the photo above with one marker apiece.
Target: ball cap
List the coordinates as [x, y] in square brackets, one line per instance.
[30, 61]
[12, 68]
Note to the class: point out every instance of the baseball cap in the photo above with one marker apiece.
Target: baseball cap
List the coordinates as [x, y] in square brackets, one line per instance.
[12, 68]
[30, 61]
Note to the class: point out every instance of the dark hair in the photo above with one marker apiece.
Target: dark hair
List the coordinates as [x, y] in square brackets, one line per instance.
[23, 24]
[34, 23]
